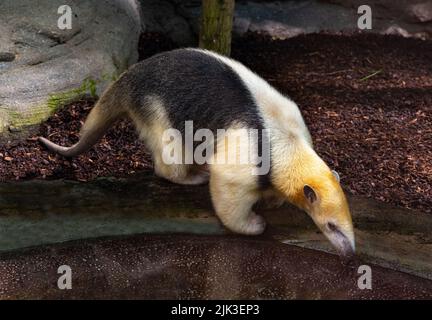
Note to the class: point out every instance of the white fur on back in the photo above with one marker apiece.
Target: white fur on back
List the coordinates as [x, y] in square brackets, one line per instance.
[278, 112]
[288, 132]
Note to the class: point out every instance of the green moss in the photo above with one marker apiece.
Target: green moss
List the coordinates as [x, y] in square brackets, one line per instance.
[19, 120]
[55, 101]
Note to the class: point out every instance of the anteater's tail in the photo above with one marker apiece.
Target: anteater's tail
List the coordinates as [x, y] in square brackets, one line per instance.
[106, 111]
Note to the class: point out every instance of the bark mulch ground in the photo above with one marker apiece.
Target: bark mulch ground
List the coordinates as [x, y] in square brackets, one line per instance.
[367, 100]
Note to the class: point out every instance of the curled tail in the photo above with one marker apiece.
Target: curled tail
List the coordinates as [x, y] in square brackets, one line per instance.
[106, 111]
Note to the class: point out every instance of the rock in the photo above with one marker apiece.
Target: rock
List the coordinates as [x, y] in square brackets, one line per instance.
[289, 19]
[276, 29]
[193, 267]
[285, 19]
[162, 16]
[7, 57]
[396, 30]
[277, 19]
[422, 12]
[241, 25]
[142, 203]
[42, 66]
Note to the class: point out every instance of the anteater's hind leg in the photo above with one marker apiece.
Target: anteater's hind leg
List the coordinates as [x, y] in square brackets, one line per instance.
[180, 173]
[151, 131]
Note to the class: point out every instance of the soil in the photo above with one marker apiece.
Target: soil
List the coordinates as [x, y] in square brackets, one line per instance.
[367, 100]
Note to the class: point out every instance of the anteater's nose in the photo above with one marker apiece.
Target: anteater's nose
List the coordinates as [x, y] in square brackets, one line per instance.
[343, 242]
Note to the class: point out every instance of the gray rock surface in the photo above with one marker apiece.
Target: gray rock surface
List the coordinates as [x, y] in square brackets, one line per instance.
[162, 16]
[422, 11]
[286, 19]
[42, 66]
[404, 17]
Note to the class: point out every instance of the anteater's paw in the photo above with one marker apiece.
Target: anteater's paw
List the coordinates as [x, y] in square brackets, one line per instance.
[253, 225]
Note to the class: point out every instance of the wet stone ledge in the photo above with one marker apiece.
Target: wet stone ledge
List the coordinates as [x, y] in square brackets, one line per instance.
[36, 212]
[195, 267]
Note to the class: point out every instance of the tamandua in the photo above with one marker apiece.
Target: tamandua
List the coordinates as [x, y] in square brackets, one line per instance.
[216, 92]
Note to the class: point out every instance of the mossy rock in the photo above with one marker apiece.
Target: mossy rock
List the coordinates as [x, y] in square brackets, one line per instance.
[43, 67]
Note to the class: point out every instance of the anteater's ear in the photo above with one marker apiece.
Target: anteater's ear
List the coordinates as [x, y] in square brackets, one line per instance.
[336, 175]
[310, 194]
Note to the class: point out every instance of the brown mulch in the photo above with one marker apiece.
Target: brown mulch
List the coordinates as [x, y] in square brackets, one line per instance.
[367, 100]
[119, 153]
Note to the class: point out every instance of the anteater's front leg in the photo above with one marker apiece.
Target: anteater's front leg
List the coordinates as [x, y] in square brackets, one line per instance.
[233, 198]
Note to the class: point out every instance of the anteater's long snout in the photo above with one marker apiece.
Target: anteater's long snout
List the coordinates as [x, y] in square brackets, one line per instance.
[341, 237]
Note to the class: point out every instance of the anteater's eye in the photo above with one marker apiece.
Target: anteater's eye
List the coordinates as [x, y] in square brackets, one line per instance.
[332, 227]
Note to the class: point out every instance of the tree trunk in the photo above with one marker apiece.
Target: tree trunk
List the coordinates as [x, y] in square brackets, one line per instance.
[216, 25]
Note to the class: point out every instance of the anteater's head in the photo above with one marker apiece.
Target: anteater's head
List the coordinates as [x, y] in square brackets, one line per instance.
[309, 183]
[324, 200]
